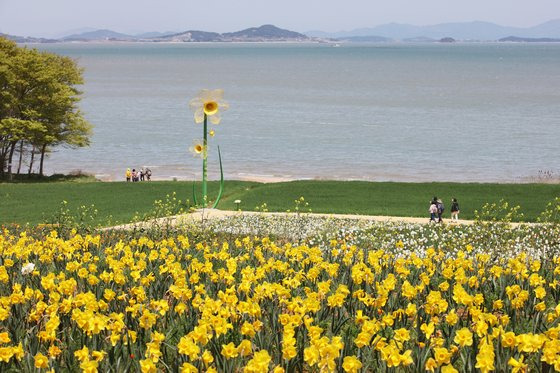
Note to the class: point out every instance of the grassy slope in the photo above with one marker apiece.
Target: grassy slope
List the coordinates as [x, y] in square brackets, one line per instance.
[396, 199]
[36, 202]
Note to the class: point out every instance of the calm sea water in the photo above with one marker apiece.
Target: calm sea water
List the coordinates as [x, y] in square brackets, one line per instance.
[459, 112]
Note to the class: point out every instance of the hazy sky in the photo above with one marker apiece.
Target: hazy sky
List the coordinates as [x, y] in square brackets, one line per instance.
[52, 17]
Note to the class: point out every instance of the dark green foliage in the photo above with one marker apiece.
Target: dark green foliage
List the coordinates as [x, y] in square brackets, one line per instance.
[38, 107]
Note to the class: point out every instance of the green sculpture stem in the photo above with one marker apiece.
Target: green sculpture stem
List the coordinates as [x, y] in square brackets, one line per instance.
[221, 181]
[205, 169]
[204, 162]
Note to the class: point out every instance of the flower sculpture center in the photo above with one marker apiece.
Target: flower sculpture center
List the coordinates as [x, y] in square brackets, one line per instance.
[210, 108]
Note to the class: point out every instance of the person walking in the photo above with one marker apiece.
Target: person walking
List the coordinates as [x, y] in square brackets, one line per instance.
[142, 174]
[148, 174]
[454, 209]
[433, 211]
[440, 209]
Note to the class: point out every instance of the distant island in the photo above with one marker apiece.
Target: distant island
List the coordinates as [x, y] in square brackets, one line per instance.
[477, 31]
[365, 39]
[460, 31]
[27, 39]
[447, 40]
[264, 33]
[517, 39]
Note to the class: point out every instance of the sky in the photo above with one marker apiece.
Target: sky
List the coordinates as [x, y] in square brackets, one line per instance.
[52, 18]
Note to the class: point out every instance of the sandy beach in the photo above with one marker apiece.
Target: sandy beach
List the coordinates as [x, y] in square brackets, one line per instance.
[265, 179]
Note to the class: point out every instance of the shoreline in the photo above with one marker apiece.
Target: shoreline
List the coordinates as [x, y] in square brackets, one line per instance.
[270, 179]
[160, 173]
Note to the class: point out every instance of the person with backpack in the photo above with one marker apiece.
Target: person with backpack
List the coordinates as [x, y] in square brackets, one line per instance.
[440, 209]
[454, 209]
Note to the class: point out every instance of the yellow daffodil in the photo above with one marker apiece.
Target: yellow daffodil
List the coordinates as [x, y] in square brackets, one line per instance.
[6, 354]
[54, 351]
[147, 366]
[448, 369]
[207, 357]
[188, 368]
[41, 361]
[517, 366]
[351, 364]
[89, 366]
[259, 363]
[245, 348]
[229, 351]
[442, 355]
[463, 337]
[485, 358]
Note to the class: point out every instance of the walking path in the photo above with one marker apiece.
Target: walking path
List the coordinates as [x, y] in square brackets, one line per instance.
[212, 214]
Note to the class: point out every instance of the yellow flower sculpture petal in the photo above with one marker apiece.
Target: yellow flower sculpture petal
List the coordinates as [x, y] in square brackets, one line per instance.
[215, 119]
[209, 102]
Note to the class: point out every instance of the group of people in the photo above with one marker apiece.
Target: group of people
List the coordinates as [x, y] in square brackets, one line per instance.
[141, 175]
[437, 208]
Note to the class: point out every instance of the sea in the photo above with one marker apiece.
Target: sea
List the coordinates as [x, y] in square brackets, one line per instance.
[467, 112]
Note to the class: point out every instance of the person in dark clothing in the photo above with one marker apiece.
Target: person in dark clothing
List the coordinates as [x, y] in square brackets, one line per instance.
[440, 209]
[454, 209]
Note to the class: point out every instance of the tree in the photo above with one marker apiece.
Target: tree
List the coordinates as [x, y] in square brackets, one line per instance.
[38, 104]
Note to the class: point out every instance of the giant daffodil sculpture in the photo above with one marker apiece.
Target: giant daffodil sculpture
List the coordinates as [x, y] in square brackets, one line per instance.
[208, 104]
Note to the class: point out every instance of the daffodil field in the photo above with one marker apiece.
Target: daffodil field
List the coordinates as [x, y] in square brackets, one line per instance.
[340, 297]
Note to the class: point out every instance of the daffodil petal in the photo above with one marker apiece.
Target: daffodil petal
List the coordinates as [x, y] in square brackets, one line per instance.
[205, 95]
[195, 104]
[223, 105]
[217, 94]
[215, 119]
[199, 115]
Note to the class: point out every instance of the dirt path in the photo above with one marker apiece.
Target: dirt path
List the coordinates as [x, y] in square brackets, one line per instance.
[212, 214]
[217, 214]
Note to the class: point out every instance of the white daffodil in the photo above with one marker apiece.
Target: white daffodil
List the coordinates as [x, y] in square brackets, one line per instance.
[27, 269]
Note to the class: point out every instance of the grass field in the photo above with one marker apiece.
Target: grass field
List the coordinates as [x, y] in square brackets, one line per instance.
[37, 202]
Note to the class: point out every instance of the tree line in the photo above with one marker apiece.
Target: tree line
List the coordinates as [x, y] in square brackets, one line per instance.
[38, 107]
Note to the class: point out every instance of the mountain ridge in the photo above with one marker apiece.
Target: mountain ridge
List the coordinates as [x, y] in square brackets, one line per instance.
[266, 33]
[461, 31]
[474, 30]
[96, 35]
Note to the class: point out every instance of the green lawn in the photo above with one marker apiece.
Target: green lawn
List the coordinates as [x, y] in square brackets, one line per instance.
[37, 202]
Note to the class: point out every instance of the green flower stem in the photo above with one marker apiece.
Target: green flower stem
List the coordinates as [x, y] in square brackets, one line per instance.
[204, 163]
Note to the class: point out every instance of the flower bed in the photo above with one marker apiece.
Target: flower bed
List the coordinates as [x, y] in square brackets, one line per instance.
[368, 299]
